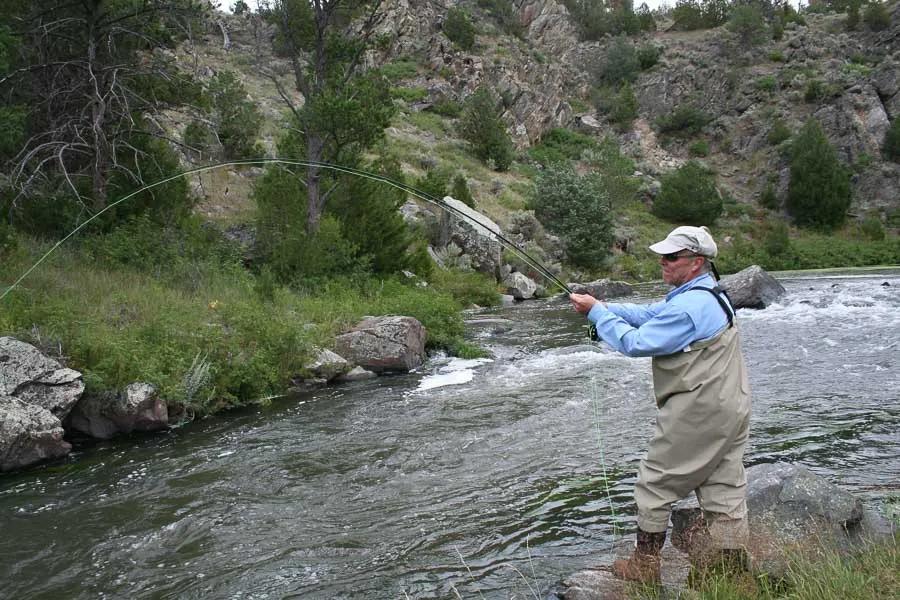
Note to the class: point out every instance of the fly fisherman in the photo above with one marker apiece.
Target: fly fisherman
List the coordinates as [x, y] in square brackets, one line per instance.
[702, 395]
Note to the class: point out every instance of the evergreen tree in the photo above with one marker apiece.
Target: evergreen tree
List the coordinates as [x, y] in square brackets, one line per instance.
[482, 127]
[891, 146]
[689, 195]
[819, 192]
[460, 190]
[459, 29]
[236, 117]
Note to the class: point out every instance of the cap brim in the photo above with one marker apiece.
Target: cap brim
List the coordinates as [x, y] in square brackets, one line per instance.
[665, 247]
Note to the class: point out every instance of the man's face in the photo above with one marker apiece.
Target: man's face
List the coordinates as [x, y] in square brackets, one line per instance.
[680, 267]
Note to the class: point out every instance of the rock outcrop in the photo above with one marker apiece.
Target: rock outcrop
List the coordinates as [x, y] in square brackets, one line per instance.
[519, 286]
[389, 344]
[29, 434]
[752, 288]
[327, 365]
[29, 375]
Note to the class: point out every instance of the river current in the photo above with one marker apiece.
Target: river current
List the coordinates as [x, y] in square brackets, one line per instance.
[466, 479]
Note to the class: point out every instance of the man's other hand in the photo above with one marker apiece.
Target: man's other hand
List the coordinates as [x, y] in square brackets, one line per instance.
[583, 303]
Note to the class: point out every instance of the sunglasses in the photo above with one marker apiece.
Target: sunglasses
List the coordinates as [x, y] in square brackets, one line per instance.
[675, 256]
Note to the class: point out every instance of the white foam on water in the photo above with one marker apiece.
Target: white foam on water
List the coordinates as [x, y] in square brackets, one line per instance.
[456, 372]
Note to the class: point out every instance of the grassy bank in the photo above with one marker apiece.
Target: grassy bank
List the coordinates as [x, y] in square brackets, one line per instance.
[209, 333]
[872, 573]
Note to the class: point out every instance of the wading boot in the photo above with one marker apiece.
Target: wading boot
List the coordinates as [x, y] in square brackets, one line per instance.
[643, 566]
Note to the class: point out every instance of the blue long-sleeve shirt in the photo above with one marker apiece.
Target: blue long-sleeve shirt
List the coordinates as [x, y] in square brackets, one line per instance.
[663, 327]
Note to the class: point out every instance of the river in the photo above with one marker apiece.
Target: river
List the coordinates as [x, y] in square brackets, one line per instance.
[466, 479]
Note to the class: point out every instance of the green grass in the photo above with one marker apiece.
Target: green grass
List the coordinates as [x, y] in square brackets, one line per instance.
[872, 573]
[118, 325]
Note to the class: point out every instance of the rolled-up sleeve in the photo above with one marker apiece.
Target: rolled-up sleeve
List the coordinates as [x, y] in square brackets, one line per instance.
[667, 331]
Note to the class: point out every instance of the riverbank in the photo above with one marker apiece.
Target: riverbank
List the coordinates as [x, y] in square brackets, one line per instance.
[164, 323]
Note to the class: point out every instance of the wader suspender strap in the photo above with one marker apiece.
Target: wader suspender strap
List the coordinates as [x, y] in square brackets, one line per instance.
[717, 293]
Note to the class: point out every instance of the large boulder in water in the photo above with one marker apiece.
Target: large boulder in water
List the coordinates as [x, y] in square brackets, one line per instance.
[29, 375]
[137, 408]
[520, 286]
[790, 509]
[384, 344]
[602, 288]
[752, 288]
[28, 434]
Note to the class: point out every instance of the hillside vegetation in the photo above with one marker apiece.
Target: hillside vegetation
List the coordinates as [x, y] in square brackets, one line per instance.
[585, 138]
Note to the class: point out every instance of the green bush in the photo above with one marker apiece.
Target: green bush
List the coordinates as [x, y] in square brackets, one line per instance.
[414, 94]
[625, 109]
[778, 133]
[399, 70]
[434, 182]
[683, 121]
[577, 209]
[648, 55]
[776, 241]
[459, 29]
[699, 148]
[819, 193]
[852, 21]
[689, 195]
[746, 21]
[560, 145]
[621, 62]
[816, 91]
[12, 130]
[505, 15]
[876, 16]
[199, 136]
[236, 116]
[891, 146]
[768, 198]
[766, 84]
[460, 190]
[482, 127]
[776, 56]
[447, 107]
[872, 228]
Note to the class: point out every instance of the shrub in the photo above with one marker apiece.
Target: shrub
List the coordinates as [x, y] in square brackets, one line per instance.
[505, 15]
[689, 195]
[766, 84]
[699, 148]
[776, 241]
[876, 16]
[237, 118]
[199, 136]
[778, 133]
[482, 127]
[852, 21]
[621, 63]
[776, 56]
[434, 183]
[815, 91]
[891, 145]
[459, 29]
[747, 23]
[819, 193]
[460, 190]
[577, 209]
[768, 198]
[447, 107]
[399, 70]
[625, 108]
[684, 121]
[872, 228]
[648, 55]
[413, 94]
[560, 145]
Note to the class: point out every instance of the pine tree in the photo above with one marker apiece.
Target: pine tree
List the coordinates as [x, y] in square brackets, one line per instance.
[819, 192]
[483, 128]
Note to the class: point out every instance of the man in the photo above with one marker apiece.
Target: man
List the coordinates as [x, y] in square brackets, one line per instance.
[702, 395]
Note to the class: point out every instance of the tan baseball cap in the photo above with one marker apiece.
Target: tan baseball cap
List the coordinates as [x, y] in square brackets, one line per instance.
[695, 239]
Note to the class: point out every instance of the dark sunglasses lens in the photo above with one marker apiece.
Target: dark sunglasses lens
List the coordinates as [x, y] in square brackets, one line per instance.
[670, 257]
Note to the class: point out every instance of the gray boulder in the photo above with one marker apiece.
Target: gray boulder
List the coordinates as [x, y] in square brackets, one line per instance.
[27, 374]
[327, 365]
[520, 286]
[603, 288]
[28, 434]
[752, 288]
[384, 344]
[137, 408]
[356, 374]
[790, 509]
[476, 236]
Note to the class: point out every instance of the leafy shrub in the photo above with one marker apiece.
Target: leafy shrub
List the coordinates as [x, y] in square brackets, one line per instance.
[876, 16]
[648, 55]
[577, 209]
[459, 29]
[621, 62]
[199, 136]
[560, 145]
[778, 133]
[413, 94]
[684, 121]
[699, 148]
[625, 108]
[777, 35]
[819, 193]
[689, 195]
[399, 70]
[505, 15]
[768, 198]
[776, 241]
[12, 130]
[482, 127]
[434, 183]
[852, 21]
[776, 56]
[891, 145]
[645, 18]
[447, 107]
[766, 84]
[747, 23]
[872, 228]
[460, 190]
[816, 91]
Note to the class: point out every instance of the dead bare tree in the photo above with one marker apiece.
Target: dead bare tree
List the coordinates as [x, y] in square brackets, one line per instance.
[89, 72]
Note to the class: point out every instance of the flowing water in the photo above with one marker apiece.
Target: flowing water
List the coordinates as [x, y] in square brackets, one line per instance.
[466, 479]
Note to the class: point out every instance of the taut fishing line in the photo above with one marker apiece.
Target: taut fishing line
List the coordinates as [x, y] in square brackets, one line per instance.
[531, 261]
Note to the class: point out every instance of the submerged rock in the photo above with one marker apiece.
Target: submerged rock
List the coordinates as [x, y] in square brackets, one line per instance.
[752, 288]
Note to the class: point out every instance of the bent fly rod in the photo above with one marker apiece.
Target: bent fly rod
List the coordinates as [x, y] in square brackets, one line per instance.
[422, 195]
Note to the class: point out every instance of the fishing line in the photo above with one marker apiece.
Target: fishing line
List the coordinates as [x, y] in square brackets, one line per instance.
[530, 260]
[596, 407]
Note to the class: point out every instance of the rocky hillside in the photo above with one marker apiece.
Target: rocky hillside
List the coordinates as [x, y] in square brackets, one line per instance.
[545, 78]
